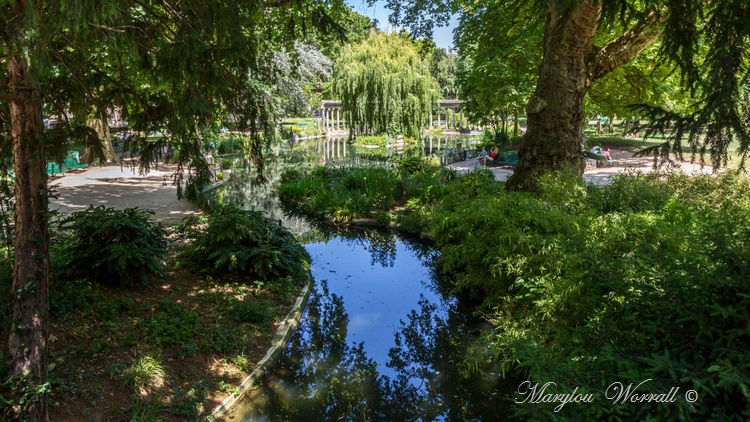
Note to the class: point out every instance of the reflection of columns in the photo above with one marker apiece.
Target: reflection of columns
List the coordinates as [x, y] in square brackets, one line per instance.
[430, 144]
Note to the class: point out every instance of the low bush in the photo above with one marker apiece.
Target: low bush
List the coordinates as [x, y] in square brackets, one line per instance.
[253, 310]
[647, 278]
[122, 248]
[145, 375]
[410, 164]
[342, 194]
[244, 243]
[170, 324]
[228, 144]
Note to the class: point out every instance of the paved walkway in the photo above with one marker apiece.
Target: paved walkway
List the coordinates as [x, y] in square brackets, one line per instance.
[121, 187]
[624, 163]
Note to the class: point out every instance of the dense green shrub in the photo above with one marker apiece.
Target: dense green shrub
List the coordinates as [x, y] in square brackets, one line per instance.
[341, 194]
[410, 163]
[244, 243]
[648, 278]
[228, 144]
[107, 246]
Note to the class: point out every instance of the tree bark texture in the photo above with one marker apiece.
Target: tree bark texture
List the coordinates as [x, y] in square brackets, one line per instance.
[99, 123]
[552, 141]
[571, 62]
[28, 336]
[30, 299]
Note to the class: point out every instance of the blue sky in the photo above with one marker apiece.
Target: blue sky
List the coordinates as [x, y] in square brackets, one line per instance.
[443, 36]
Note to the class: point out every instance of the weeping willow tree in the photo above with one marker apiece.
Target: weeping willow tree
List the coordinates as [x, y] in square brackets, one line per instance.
[385, 85]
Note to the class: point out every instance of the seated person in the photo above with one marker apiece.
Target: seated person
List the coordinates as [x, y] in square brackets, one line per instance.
[488, 158]
[599, 155]
[483, 154]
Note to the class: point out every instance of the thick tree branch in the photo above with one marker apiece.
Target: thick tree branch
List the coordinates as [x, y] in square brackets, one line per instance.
[628, 45]
[107, 28]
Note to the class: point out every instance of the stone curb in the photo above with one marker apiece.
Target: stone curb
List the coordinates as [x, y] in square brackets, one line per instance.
[279, 341]
[217, 184]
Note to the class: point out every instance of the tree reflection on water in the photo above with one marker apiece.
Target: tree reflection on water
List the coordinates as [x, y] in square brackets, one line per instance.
[320, 377]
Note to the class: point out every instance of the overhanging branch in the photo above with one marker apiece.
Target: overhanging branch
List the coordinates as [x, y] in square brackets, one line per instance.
[628, 45]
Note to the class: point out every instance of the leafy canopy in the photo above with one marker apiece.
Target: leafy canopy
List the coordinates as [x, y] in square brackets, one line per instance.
[385, 84]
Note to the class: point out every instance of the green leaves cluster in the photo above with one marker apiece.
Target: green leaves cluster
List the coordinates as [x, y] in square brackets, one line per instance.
[646, 278]
[121, 248]
[341, 194]
[245, 244]
[385, 85]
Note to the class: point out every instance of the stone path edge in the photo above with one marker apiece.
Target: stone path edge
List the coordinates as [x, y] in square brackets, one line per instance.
[278, 343]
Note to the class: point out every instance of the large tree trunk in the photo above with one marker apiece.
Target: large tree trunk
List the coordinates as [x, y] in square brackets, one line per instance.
[571, 62]
[554, 113]
[99, 123]
[28, 336]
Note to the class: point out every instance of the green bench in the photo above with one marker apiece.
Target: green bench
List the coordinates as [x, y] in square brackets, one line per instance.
[509, 159]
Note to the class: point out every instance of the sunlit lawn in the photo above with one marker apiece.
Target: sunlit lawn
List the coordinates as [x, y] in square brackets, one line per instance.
[617, 141]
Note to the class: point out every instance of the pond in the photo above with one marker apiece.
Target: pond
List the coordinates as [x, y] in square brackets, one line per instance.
[381, 339]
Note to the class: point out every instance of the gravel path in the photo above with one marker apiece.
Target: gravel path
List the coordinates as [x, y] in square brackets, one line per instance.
[121, 187]
[624, 163]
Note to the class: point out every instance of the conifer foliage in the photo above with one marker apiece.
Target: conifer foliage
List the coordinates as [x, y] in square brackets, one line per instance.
[174, 65]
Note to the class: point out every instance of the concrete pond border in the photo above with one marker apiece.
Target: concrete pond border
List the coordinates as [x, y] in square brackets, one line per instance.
[278, 343]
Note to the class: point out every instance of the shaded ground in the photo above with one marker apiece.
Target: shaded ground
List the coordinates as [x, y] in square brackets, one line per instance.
[95, 344]
[96, 334]
[121, 187]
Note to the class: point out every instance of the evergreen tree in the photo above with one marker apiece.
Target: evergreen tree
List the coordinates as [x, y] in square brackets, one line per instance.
[179, 65]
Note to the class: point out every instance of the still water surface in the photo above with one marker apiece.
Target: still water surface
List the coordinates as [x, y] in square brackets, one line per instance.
[380, 338]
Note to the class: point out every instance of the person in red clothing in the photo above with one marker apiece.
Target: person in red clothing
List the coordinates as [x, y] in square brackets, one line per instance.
[489, 158]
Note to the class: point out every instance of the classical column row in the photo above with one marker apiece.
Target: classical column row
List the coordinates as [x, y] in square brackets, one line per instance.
[449, 123]
[333, 119]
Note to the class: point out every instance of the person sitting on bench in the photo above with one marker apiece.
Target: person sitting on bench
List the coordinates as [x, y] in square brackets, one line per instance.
[486, 159]
[600, 155]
